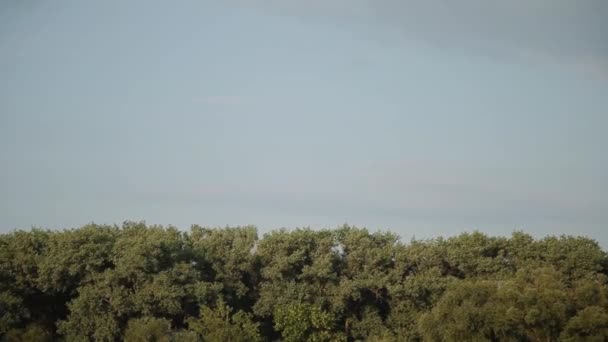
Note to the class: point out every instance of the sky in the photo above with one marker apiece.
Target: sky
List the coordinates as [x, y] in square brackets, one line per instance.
[423, 117]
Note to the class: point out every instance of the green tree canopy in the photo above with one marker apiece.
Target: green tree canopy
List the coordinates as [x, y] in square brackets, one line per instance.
[138, 282]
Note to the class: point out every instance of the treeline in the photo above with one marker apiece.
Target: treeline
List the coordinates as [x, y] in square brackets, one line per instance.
[150, 283]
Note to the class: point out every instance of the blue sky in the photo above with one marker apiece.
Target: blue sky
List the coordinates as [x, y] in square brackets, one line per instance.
[423, 117]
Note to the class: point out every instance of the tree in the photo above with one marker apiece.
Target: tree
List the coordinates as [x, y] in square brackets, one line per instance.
[305, 322]
[148, 329]
[590, 324]
[32, 333]
[147, 282]
[220, 325]
[467, 312]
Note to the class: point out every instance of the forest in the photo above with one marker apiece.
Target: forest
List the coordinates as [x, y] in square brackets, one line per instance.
[139, 282]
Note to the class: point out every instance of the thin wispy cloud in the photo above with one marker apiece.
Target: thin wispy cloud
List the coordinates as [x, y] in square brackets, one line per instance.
[229, 100]
[563, 34]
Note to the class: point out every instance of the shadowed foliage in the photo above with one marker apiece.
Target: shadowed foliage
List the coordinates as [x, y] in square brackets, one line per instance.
[139, 282]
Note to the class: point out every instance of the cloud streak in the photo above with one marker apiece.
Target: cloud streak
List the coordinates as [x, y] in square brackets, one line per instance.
[558, 33]
[226, 100]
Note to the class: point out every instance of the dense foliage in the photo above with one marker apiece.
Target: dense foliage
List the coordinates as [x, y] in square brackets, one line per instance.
[149, 283]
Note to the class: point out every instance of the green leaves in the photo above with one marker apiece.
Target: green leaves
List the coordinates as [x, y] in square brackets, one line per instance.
[73, 257]
[219, 324]
[589, 324]
[152, 283]
[305, 322]
[467, 312]
[12, 311]
[148, 329]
